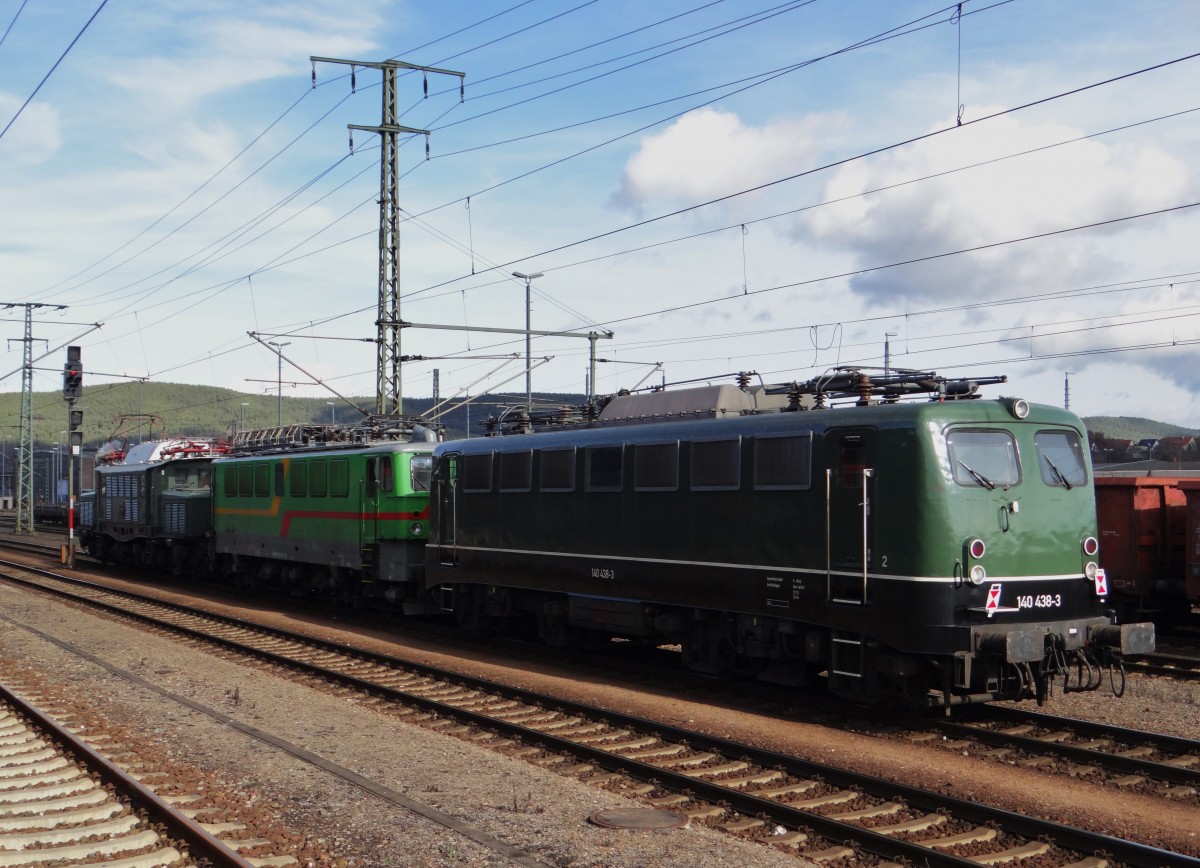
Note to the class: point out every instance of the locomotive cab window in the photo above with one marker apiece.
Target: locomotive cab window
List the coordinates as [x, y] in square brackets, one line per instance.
[387, 475]
[656, 466]
[1060, 458]
[983, 458]
[420, 470]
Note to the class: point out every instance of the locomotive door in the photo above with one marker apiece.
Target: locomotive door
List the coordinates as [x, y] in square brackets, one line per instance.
[445, 493]
[849, 529]
[369, 526]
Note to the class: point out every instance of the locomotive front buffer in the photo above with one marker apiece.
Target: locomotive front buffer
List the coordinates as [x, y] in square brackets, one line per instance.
[1078, 651]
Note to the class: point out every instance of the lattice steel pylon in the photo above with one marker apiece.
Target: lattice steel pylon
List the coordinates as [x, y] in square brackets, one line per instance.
[24, 522]
[389, 396]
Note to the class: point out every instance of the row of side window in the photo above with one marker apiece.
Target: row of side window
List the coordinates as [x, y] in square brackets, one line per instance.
[315, 477]
[779, 463]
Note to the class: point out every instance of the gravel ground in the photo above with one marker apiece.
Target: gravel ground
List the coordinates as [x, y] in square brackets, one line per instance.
[546, 814]
[501, 802]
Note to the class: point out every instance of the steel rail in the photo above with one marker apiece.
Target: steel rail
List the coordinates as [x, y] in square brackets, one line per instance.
[1079, 840]
[175, 824]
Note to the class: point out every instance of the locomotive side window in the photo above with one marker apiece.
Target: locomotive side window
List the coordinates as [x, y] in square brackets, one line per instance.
[420, 469]
[262, 480]
[603, 472]
[279, 479]
[477, 473]
[783, 462]
[299, 483]
[230, 486]
[1060, 458]
[339, 477]
[318, 478]
[656, 467]
[557, 470]
[245, 474]
[387, 474]
[716, 465]
[516, 471]
[983, 458]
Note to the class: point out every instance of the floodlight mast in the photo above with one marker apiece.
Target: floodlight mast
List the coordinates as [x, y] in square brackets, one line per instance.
[528, 278]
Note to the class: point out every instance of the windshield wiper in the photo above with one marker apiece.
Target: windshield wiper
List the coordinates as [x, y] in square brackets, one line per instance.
[1061, 476]
[978, 477]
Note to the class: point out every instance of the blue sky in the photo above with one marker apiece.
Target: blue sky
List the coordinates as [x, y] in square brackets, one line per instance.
[727, 186]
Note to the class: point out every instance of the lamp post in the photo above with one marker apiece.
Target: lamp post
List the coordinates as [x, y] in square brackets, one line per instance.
[279, 381]
[242, 416]
[332, 412]
[528, 278]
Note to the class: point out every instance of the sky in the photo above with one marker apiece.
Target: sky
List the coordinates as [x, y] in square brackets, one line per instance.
[992, 188]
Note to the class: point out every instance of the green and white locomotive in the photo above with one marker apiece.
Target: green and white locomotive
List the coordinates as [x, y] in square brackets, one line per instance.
[939, 552]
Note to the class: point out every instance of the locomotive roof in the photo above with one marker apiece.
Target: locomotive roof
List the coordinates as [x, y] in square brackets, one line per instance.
[157, 451]
[906, 414]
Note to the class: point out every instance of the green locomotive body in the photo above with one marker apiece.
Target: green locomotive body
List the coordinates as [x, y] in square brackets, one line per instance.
[346, 519]
[940, 552]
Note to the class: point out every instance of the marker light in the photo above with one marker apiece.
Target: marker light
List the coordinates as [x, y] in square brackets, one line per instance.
[417, 528]
[976, 548]
[977, 575]
[1091, 545]
[1090, 570]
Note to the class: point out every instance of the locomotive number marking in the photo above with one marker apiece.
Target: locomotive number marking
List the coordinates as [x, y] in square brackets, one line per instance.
[603, 573]
[1040, 601]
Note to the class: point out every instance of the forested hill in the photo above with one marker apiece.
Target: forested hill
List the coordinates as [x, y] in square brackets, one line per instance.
[198, 411]
[1134, 428]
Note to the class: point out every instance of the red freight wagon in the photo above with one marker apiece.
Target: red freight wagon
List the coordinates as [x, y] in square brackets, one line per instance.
[1142, 525]
[1191, 543]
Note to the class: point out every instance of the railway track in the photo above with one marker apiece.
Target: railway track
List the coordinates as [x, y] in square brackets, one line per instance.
[819, 811]
[1182, 667]
[63, 801]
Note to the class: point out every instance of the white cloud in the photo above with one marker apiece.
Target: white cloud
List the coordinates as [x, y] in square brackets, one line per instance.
[1082, 183]
[709, 153]
[36, 135]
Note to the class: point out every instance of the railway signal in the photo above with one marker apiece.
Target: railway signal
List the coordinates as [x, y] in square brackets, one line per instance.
[73, 374]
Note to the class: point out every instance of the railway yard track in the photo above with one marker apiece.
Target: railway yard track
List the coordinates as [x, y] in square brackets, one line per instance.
[70, 795]
[819, 811]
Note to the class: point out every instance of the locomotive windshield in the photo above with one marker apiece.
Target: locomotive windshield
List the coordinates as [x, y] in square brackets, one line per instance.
[421, 468]
[1060, 458]
[983, 458]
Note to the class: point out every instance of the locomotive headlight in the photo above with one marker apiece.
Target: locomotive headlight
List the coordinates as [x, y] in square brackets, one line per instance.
[1019, 407]
[977, 575]
[417, 528]
[1090, 570]
[1091, 545]
[976, 548]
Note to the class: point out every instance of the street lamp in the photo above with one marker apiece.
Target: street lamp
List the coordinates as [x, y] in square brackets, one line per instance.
[279, 381]
[528, 278]
[332, 412]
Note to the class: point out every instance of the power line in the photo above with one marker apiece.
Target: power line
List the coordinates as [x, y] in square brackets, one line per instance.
[46, 77]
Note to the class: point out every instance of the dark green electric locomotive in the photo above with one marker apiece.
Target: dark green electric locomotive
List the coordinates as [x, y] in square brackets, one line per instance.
[937, 551]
